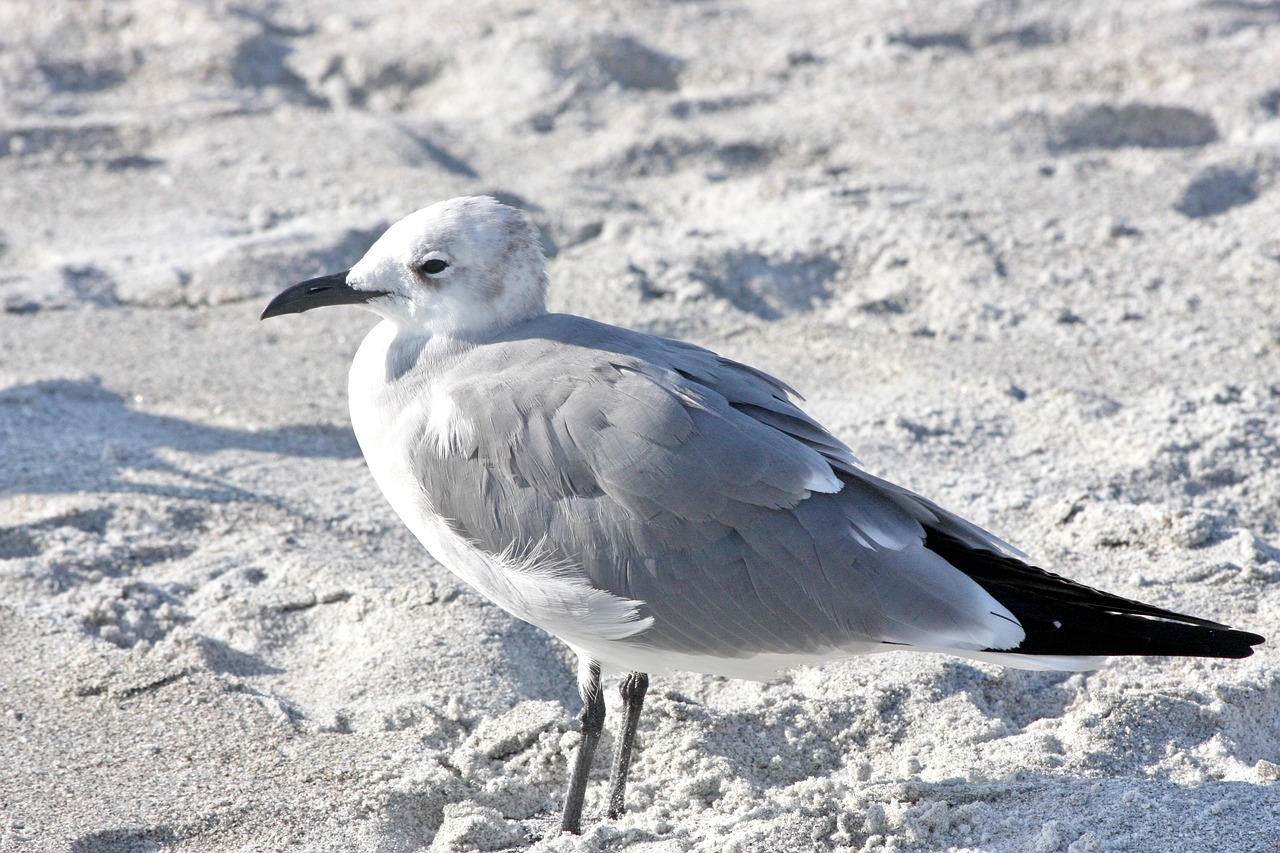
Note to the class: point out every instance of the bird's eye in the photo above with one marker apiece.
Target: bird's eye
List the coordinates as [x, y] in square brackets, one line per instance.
[433, 266]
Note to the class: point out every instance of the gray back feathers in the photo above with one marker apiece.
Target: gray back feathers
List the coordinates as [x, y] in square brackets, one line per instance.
[669, 475]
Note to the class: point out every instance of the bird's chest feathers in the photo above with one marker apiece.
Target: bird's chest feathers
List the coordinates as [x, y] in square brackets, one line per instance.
[395, 417]
[392, 426]
[393, 420]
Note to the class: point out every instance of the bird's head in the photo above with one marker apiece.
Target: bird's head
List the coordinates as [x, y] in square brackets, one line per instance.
[458, 267]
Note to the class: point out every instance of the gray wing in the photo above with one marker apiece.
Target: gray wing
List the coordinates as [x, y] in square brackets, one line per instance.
[693, 484]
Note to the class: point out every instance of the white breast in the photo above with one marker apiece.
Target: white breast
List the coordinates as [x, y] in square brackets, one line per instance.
[392, 421]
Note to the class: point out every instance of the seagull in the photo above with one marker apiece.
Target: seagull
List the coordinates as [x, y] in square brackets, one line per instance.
[659, 507]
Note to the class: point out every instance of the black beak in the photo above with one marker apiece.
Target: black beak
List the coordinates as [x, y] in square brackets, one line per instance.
[317, 293]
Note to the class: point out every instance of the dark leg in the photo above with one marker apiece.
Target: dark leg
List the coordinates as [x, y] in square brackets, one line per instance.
[592, 724]
[633, 689]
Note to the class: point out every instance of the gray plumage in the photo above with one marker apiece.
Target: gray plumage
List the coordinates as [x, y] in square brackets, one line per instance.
[674, 477]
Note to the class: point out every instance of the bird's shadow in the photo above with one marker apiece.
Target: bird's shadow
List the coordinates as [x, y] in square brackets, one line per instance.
[67, 436]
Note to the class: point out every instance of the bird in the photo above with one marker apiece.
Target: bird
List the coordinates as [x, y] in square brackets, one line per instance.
[658, 507]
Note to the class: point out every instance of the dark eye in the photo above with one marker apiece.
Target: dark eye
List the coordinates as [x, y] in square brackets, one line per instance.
[433, 266]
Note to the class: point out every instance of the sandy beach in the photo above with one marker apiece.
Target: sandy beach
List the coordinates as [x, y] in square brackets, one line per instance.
[1024, 258]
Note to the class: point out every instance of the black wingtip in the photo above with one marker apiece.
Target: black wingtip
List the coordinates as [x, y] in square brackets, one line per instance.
[1243, 643]
[1062, 617]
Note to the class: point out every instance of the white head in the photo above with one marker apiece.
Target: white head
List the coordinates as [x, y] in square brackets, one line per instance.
[461, 266]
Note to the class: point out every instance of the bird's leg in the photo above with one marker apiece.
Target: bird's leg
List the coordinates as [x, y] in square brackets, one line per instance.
[633, 689]
[592, 724]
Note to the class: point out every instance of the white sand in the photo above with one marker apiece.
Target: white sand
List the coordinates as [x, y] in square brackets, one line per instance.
[1024, 258]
